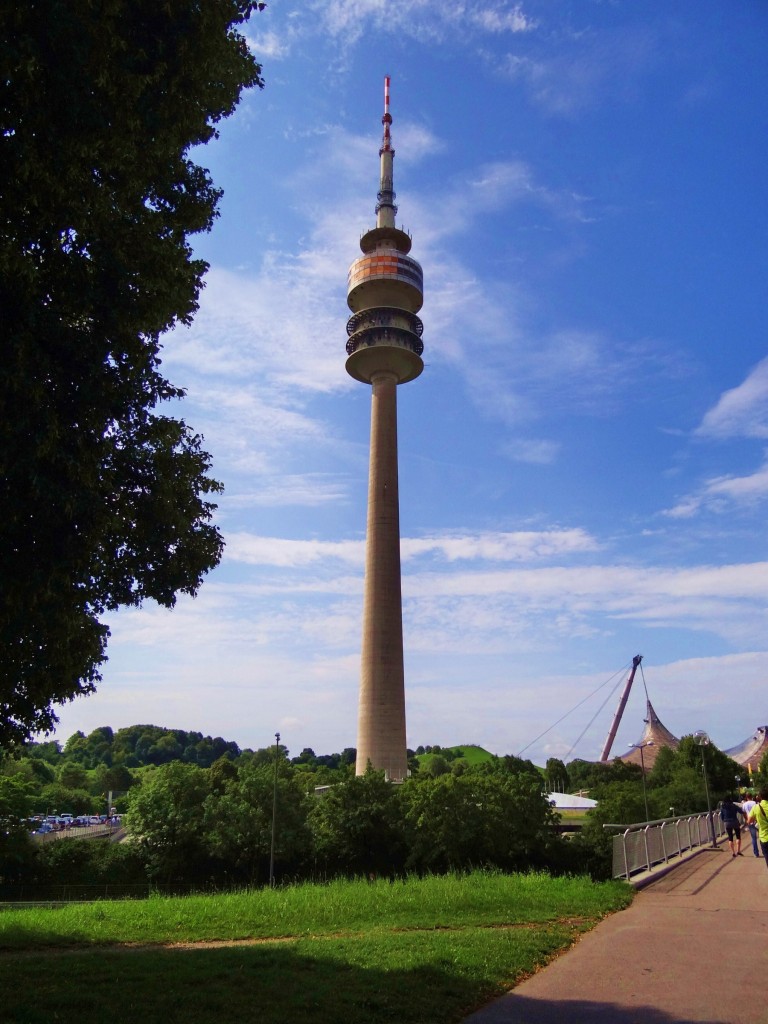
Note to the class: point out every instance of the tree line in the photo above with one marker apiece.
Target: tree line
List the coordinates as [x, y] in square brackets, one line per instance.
[211, 824]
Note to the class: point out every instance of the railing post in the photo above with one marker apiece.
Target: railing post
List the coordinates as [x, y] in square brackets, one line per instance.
[647, 851]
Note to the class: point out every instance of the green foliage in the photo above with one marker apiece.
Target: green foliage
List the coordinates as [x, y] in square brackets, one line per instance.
[237, 822]
[118, 779]
[674, 786]
[88, 862]
[469, 756]
[556, 775]
[16, 801]
[515, 766]
[166, 818]
[49, 751]
[721, 769]
[357, 828]
[333, 762]
[72, 776]
[105, 500]
[198, 825]
[138, 745]
[16, 798]
[475, 819]
[663, 768]
[434, 765]
[591, 775]
[62, 800]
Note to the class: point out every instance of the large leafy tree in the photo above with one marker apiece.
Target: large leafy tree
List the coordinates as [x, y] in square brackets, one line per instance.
[358, 827]
[105, 501]
[166, 818]
[479, 818]
[238, 820]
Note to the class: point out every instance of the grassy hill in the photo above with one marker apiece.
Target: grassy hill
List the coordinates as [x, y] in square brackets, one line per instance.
[470, 755]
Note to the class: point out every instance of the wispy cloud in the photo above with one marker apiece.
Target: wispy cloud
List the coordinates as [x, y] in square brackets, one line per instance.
[742, 411]
[423, 19]
[309, 490]
[534, 451]
[268, 340]
[722, 493]
[519, 546]
[585, 69]
[481, 609]
[501, 18]
[268, 45]
[275, 551]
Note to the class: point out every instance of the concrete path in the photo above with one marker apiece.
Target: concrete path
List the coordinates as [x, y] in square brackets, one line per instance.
[692, 949]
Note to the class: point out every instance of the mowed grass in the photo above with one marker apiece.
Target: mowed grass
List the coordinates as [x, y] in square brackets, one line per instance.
[414, 951]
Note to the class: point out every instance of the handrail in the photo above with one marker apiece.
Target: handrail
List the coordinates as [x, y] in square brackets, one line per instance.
[662, 839]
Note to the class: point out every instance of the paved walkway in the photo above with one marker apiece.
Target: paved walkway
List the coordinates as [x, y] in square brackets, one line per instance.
[692, 949]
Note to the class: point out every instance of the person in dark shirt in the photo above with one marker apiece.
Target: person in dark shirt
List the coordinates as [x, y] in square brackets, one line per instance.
[729, 815]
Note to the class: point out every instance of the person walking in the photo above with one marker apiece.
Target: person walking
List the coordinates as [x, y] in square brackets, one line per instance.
[746, 809]
[760, 816]
[729, 815]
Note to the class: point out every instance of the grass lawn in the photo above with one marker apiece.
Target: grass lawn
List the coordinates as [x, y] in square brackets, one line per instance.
[423, 951]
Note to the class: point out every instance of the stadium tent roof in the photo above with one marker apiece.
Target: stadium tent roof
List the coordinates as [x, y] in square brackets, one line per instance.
[571, 802]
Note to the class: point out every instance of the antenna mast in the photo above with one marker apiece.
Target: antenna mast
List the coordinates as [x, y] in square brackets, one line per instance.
[620, 709]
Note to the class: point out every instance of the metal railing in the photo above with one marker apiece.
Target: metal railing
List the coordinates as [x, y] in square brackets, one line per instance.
[642, 846]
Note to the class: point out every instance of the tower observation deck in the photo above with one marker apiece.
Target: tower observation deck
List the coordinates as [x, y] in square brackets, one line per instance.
[385, 288]
[384, 348]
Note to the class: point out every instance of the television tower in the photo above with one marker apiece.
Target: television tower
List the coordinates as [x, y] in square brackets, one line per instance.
[384, 292]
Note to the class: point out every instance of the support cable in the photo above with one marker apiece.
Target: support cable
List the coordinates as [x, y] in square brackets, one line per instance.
[610, 679]
[590, 723]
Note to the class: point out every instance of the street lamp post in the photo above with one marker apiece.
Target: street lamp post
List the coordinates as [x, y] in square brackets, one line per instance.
[640, 747]
[703, 740]
[274, 815]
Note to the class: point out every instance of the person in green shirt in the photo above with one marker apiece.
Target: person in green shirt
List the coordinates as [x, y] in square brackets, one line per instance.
[759, 815]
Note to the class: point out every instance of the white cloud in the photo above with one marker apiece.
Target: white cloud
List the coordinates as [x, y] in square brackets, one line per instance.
[519, 546]
[268, 45]
[421, 19]
[536, 452]
[309, 490]
[722, 494]
[253, 550]
[524, 545]
[267, 340]
[742, 411]
[502, 19]
[589, 69]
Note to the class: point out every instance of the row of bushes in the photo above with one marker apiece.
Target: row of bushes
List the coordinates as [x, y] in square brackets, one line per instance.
[188, 825]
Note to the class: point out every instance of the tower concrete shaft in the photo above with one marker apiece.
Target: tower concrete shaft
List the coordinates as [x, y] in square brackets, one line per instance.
[381, 710]
[385, 292]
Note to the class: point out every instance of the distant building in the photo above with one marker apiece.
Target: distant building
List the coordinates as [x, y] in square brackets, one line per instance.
[750, 753]
[571, 802]
[655, 737]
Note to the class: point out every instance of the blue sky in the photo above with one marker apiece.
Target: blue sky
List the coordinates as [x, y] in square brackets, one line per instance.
[584, 468]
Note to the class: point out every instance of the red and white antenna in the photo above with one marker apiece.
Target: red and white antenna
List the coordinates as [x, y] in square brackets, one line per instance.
[386, 143]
